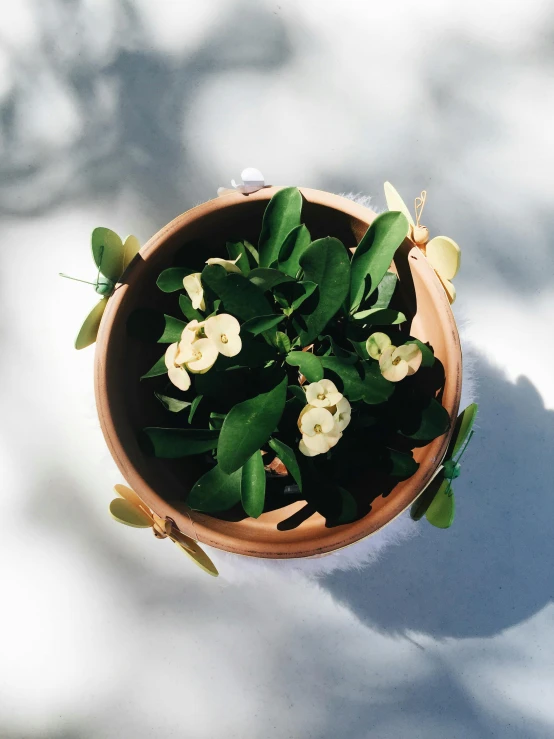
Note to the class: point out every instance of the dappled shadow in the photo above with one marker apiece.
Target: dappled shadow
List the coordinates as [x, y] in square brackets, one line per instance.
[493, 568]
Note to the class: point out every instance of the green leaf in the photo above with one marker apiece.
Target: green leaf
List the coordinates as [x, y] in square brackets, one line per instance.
[462, 430]
[424, 420]
[294, 245]
[422, 503]
[159, 368]
[171, 279]
[428, 358]
[282, 342]
[360, 381]
[172, 404]
[402, 464]
[374, 255]
[255, 257]
[194, 405]
[237, 249]
[267, 279]
[240, 297]
[248, 426]
[252, 491]
[170, 443]
[288, 458]
[215, 491]
[348, 508]
[326, 263]
[385, 290]
[260, 324]
[442, 508]
[150, 325]
[190, 313]
[291, 295]
[108, 253]
[89, 330]
[308, 364]
[298, 393]
[281, 215]
[380, 316]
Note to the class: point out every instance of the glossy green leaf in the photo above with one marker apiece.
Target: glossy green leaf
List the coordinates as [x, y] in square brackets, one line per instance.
[294, 245]
[236, 249]
[215, 491]
[160, 368]
[291, 295]
[463, 428]
[326, 263]
[240, 297]
[267, 279]
[89, 330]
[380, 316]
[308, 364]
[108, 253]
[298, 393]
[252, 490]
[172, 404]
[281, 215]
[171, 280]
[282, 342]
[440, 512]
[360, 381]
[190, 313]
[131, 247]
[288, 458]
[260, 324]
[171, 443]
[402, 464]
[385, 290]
[254, 256]
[428, 358]
[425, 421]
[248, 426]
[374, 255]
[422, 503]
[194, 405]
[151, 325]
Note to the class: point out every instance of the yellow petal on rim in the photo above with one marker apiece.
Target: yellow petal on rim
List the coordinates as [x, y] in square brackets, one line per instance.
[395, 202]
[131, 247]
[449, 289]
[444, 256]
[199, 557]
[89, 330]
[126, 512]
[130, 495]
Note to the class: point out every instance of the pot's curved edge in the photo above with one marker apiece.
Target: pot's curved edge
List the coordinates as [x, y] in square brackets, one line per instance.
[192, 524]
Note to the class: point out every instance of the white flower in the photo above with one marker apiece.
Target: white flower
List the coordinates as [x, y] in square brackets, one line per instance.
[376, 344]
[322, 394]
[197, 328]
[195, 291]
[395, 363]
[177, 374]
[223, 331]
[305, 450]
[342, 414]
[229, 265]
[319, 430]
[198, 356]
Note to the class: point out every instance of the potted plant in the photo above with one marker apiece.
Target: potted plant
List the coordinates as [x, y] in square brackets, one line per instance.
[278, 373]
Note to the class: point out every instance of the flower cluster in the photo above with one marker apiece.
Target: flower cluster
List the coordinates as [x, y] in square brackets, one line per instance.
[395, 363]
[323, 419]
[199, 347]
[193, 284]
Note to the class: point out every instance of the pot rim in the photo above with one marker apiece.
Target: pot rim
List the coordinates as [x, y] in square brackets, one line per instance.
[196, 524]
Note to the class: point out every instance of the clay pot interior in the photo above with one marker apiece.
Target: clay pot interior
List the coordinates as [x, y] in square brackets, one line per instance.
[126, 405]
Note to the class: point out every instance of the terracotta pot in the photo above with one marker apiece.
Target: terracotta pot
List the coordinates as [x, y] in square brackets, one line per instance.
[126, 405]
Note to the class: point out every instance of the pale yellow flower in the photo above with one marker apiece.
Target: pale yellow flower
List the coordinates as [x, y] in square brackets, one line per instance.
[198, 356]
[396, 363]
[229, 265]
[176, 372]
[322, 394]
[319, 431]
[376, 344]
[193, 285]
[223, 331]
[342, 414]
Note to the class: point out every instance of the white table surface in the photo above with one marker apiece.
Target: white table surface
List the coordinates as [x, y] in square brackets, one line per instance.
[126, 114]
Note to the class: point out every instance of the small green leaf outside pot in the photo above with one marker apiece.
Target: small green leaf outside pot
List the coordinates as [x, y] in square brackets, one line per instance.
[253, 485]
[442, 509]
[281, 215]
[308, 364]
[215, 491]
[452, 469]
[108, 253]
